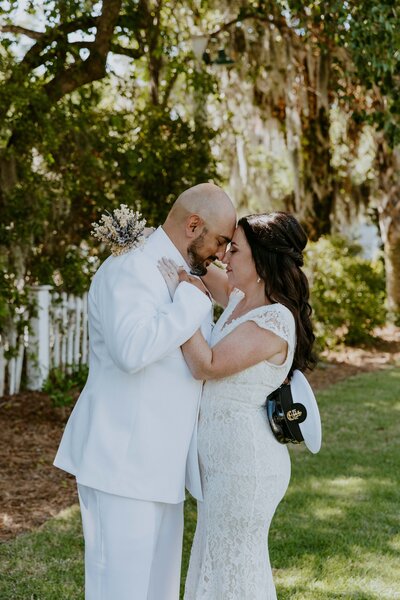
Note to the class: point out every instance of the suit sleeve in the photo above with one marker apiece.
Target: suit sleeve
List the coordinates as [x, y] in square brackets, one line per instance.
[138, 331]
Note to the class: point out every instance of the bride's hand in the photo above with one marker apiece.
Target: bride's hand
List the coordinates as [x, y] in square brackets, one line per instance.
[170, 271]
[196, 281]
[173, 275]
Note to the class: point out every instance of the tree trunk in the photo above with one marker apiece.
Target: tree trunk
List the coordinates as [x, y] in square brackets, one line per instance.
[318, 190]
[308, 139]
[388, 167]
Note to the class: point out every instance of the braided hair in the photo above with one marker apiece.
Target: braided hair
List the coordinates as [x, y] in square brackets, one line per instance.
[277, 241]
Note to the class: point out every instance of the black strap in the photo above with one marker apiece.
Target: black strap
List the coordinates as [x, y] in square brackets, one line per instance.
[295, 413]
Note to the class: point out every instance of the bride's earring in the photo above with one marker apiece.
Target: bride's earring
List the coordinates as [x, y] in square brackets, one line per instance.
[258, 280]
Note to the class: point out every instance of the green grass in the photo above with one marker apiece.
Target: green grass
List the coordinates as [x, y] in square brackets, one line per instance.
[336, 535]
[45, 564]
[337, 532]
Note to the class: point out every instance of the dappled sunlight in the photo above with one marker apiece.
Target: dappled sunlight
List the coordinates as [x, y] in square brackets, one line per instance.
[303, 570]
[68, 513]
[346, 486]
[6, 520]
[361, 571]
[346, 491]
[381, 402]
[374, 403]
[292, 577]
[394, 543]
[340, 487]
[372, 572]
[378, 588]
[328, 512]
[9, 524]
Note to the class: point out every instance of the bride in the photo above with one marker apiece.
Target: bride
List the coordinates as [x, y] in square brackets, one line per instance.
[264, 333]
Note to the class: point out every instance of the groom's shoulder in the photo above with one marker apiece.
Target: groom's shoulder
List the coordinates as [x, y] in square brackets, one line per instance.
[130, 259]
[131, 263]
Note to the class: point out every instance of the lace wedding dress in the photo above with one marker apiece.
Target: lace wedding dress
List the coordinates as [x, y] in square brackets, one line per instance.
[245, 471]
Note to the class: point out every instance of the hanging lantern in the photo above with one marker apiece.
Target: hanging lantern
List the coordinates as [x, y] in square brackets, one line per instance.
[223, 59]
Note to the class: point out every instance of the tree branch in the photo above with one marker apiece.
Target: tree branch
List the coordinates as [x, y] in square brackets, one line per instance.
[36, 55]
[153, 22]
[94, 67]
[281, 25]
[169, 88]
[131, 52]
[17, 29]
[70, 78]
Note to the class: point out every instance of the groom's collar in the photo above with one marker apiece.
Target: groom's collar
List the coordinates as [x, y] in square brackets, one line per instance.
[161, 245]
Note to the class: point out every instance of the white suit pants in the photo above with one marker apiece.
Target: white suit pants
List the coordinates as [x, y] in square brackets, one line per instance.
[133, 547]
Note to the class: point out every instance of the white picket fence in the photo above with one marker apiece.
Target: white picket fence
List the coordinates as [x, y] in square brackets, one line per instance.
[58, 337]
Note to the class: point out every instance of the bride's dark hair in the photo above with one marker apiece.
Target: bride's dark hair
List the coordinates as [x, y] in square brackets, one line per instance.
[277, 241]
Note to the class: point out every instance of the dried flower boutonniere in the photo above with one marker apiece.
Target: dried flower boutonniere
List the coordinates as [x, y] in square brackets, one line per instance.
[122, 229]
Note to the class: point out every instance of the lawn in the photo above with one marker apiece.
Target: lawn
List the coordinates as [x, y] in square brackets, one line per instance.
[335, 535]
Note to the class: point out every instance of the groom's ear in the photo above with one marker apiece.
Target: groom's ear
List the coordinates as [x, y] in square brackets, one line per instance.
[194, 226]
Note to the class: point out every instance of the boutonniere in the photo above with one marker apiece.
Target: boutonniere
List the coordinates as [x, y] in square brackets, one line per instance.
[122, 230]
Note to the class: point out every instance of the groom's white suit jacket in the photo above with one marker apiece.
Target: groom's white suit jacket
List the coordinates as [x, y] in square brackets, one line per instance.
[133, 430]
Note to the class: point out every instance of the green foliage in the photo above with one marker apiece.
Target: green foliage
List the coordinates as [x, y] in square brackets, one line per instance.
[69, 152]
[373, 40]
[63, 386]
[76, 140]
[11, 299]
[49, 209]
[366, 36]
[165, 156]
[16, 305]
[347, 291]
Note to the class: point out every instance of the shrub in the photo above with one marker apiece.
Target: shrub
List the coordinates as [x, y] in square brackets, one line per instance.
[347, 291]
[62, 387]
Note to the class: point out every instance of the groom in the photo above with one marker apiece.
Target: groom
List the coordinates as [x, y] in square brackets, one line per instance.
[131, 438]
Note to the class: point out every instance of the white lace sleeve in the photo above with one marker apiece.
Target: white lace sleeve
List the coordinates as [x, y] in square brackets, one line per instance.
[278, 319]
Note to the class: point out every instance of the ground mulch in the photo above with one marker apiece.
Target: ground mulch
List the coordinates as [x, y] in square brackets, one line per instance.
[32, 490]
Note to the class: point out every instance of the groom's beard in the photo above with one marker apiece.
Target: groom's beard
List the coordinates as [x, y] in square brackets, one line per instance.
[196, 260]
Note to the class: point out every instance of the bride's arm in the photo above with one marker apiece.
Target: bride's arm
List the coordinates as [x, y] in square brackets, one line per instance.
[246, 346]
[216, 281]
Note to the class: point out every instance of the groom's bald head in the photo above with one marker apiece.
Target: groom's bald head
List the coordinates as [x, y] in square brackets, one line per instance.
[206, 200]
[201, 223]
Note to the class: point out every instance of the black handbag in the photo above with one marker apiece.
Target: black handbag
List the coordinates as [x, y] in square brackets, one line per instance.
[293, 413]
[284, 415]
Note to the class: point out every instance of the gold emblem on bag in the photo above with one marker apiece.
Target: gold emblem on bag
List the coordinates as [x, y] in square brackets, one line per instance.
[294, 414]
